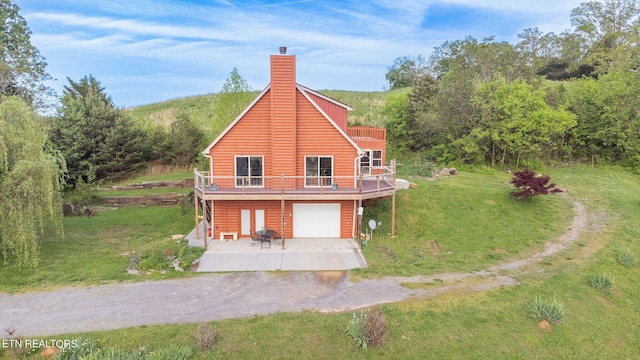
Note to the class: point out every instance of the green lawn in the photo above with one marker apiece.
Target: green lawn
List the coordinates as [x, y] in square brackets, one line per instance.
[460, 223]
[94, 249]
[469, 215]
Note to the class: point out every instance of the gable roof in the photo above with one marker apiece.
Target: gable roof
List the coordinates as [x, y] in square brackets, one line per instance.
[305, 91]
[323, 96]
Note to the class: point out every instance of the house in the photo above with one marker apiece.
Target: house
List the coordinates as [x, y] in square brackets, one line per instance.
[290, 162]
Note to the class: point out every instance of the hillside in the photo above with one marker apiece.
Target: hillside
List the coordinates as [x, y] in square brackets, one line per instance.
[367, 105]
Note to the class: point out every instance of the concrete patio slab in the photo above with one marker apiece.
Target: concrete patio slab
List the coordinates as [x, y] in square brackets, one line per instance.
[299, 254]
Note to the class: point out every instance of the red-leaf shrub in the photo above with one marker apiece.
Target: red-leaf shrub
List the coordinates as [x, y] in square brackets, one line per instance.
[528, 184]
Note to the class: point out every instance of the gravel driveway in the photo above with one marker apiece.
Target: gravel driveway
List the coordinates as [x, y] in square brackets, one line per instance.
[211, 297]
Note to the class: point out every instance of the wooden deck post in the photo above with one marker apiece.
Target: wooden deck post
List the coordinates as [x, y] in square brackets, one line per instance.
[196, 201]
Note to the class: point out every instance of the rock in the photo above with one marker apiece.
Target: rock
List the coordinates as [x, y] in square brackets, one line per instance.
[132, 272]
[453, 171]
[413, 185]
[544, 325]
[68, 209]
[194, 265]
[177, 237]
[445, 171]
[402, 184]
[88, 212]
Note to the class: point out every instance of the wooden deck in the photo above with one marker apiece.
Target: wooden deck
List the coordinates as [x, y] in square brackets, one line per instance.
[379, 184]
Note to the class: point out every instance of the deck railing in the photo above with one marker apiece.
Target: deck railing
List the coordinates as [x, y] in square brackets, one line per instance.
[380, 179]
[367, 132]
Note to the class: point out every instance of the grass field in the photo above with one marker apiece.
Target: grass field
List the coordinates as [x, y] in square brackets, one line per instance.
[367, 107]
[95, 250]
[470, 215]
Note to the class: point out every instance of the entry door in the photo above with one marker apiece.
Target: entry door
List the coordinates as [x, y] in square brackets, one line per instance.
[251, 220]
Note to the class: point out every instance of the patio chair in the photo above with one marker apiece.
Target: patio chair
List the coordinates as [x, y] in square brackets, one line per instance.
[255, 239]
[277, 239]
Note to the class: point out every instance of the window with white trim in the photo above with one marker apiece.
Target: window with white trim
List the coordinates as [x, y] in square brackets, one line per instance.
[249, 171]
[376, 158]
[371, 158]
[318, 170]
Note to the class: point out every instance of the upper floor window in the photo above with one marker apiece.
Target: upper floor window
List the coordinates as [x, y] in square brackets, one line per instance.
[318, 170]
[371, 158]
[249, 170]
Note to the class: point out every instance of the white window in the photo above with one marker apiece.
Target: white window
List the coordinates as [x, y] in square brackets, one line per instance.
[249, 171]
[376, 158]
[371, 158]
[318, 170]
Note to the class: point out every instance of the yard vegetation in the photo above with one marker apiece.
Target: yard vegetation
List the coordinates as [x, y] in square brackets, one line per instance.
[492, 106]
[492, 324]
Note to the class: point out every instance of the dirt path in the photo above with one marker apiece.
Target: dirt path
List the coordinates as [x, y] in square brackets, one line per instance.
[223, 296]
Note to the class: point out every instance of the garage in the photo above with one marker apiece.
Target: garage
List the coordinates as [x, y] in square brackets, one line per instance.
[316, 220]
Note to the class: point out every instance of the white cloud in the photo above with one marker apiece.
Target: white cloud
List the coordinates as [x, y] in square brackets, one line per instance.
[339, 44]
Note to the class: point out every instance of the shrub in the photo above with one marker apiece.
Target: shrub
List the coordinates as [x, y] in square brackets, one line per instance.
[189, 254]
[376, 328]
[109, 353]
[357, 329]
[156, 260]
[626, 257]
[601, 282]
[206, 336]
[84, 347]
[368, 329]
[543, 309]
[173, 352]
[528, 184]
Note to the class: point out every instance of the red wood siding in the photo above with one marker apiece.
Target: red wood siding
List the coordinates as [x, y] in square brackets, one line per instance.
[247, 137]
[227, 215]
[317, 137]
[373, 145]
[283, 114]
[335, 112]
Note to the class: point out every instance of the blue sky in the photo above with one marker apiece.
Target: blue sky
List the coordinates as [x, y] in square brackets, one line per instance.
[146, 51]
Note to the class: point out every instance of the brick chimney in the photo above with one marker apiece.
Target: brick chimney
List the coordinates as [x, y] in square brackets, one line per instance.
[283, 113]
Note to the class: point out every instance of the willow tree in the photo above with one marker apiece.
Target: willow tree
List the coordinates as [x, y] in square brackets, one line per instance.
[30, 182]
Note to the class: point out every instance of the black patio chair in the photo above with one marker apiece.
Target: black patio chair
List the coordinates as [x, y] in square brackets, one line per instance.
[255, 239]
[266, 240]
[277, 239]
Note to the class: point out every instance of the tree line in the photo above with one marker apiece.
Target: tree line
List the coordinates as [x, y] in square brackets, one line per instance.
[548, 98]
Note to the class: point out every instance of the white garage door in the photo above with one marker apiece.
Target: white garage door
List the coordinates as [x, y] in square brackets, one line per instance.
[316, 220]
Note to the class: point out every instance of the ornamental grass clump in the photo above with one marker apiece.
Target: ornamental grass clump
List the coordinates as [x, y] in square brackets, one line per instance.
[626, 258]
[368, 329]
[357, 329]
[601, 282]
[206, 336]
[543, 309]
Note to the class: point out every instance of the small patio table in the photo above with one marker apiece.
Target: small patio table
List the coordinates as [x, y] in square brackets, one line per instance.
[265, 236]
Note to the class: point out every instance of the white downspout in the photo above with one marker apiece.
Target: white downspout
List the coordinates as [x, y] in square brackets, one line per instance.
[356, 173]
[205, 205]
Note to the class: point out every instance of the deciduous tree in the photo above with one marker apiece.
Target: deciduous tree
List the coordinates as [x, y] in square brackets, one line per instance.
[22, 68]
[30, 182]
[233, 98]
